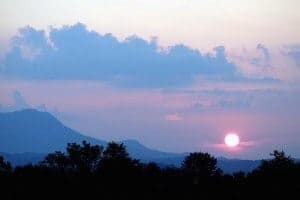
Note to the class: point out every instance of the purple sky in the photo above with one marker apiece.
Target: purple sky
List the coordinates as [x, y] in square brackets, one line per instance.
[182, 119]
[174, 92]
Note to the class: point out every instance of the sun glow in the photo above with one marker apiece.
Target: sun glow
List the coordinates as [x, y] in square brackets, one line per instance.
[232, 140]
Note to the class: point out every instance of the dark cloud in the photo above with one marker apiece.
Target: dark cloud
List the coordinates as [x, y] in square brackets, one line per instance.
[73, 52]
[265, 52]
[264, 60]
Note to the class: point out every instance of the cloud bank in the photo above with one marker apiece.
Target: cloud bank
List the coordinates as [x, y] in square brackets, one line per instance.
[73, 52]
[76, 53]
[277, 63]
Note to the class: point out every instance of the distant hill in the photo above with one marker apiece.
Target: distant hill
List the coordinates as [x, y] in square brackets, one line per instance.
[26, 136]
[20, 159]
[235, 165]
[227, 165]
[137, 150]
[38, 132]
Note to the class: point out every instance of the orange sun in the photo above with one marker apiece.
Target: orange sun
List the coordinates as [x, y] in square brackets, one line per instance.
[232, 140]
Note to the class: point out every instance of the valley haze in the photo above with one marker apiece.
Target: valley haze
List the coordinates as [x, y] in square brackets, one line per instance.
[27, 136]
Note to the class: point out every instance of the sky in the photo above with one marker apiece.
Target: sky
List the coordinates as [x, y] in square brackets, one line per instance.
[175, 75]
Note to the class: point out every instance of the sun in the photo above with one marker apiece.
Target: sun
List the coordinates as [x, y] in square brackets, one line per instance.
[232, 140]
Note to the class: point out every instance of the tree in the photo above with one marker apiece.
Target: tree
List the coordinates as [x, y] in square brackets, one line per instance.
[200, 164]
[239, 177]
[5, 166]
[281, 163]
[57, 160]
[116, 160]
[152, 169]
[84, 158]
[79, 158]
[115, 151]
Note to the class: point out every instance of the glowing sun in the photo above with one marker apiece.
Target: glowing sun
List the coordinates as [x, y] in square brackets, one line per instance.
[232, 140]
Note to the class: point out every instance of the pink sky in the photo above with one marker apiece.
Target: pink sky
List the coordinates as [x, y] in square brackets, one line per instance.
[176, 75]
[156, 117]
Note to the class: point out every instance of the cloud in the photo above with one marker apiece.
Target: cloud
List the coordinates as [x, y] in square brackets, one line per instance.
[96, 109]
[73, 52]
[294, 53]
[279, 63]
[19, 101]
[266, 54]
[242, 145]
[173, 117]
[247, 100]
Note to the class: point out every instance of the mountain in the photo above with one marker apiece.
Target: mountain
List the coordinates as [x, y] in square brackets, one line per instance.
[227, 165]
[38, 132]
[34, 131]
[21, 159]
[26, 136]
[137, 150]
[235, 165]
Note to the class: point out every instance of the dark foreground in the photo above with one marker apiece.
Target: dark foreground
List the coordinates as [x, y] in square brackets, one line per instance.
[92, 172]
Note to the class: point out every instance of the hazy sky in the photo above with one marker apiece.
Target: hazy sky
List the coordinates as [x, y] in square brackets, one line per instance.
[175, 75]
[201, 24]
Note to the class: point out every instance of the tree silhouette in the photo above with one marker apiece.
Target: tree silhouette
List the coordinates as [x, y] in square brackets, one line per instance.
[115, 151]
[57, 160]
[199, 165]
[5, 166]
[280, 175]
[152, 169]
[84, 158]
[280, 163]
[72, 174]
[116, 160]
[239, 177]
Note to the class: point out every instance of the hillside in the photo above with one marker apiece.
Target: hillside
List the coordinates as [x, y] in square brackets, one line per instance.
[39, 132]
[27, 135]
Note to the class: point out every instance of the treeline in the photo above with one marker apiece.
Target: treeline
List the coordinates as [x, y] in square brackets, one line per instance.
[86, 171]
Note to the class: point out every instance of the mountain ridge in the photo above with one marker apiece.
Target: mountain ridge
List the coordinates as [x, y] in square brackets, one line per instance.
[35, 131]
[26, 136]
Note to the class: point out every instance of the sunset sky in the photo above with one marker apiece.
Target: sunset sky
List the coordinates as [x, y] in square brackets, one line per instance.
[176, 75]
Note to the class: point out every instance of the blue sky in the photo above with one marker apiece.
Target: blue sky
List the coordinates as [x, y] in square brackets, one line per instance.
[176, 77]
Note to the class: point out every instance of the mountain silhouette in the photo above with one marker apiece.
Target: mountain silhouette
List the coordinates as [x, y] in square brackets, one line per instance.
[26, 136]
[30, 130]
[39, 132]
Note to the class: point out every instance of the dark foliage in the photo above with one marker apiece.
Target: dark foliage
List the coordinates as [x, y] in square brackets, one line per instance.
[5, 167]
[80, 159]
[85, 171]
[200, 164]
